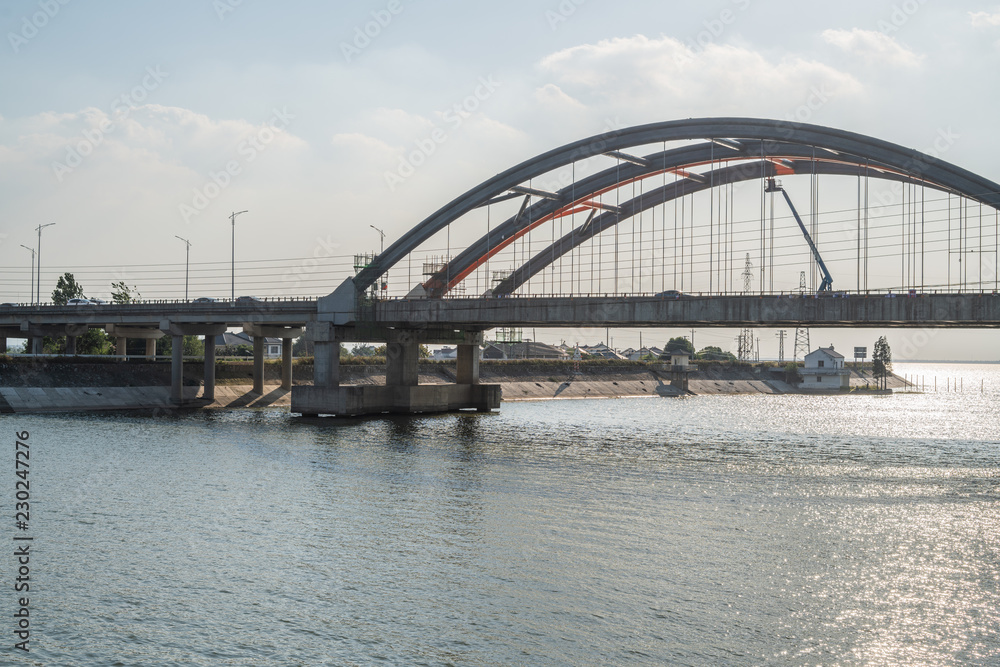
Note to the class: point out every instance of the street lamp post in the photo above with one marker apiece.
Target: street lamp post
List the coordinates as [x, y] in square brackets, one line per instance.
[32, 251]
[232, 218]
[38, 282]
[187, 263]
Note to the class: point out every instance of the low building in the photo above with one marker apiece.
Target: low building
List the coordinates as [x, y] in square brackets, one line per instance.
[600, 351]
[272, 346]
[642, 353]
[444, 353]
[824, 369]
[524, 350]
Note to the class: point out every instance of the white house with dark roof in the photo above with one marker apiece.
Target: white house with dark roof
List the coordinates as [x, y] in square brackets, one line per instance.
[824, 369]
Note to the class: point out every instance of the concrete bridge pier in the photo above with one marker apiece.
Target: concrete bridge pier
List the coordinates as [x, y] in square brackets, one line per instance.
[467, 371]
[286, 334]
[123, 333]
[73, 331]
[402, 392]
[177, 332]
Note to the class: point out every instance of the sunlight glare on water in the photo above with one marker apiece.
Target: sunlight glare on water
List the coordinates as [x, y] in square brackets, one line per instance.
[738, 530]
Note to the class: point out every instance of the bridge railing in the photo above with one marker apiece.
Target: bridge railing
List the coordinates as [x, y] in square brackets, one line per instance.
[716, 295]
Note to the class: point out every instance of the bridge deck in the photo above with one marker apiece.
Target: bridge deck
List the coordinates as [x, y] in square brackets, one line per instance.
[928, 310]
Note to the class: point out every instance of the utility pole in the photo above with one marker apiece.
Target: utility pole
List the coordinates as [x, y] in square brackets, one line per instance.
[801, 333]
[32, 251]
[38, 282]
[692, 340]
[781, 345]
[232, 218]
[744, 342]
[187, 262]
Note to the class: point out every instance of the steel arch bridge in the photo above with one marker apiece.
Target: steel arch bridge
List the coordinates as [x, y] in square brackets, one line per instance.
[706, 155]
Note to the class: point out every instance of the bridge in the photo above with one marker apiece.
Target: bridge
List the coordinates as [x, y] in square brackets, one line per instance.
[669, 224]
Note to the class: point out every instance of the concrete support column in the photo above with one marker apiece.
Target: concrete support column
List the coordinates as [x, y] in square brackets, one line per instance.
[3, 345]
[177, 370]
[70, 345]
[286, 364]
[258, 365]
[209, 392]
[36, 344]
[121, 345]
[150, 348]
[401, 364]
[468, 364]
[326, 364]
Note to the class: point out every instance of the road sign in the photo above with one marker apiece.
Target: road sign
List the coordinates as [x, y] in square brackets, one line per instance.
[861, 353]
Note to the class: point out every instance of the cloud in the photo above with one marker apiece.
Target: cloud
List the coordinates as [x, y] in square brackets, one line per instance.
[663, 78]
[984, 19]
[874, 47]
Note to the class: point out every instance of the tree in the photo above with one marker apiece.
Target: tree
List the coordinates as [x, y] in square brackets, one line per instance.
[882, 361]
[66, 288]
[191, 347]
[714, 353]
[121, 293]
[792, 375]
[679, 344]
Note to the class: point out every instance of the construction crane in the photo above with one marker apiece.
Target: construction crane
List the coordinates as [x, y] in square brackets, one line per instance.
[774, 185]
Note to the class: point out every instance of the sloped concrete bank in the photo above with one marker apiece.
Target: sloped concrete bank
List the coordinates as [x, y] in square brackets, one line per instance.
[64, 386]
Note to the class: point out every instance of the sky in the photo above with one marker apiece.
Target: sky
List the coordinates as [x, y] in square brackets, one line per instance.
[131, 123]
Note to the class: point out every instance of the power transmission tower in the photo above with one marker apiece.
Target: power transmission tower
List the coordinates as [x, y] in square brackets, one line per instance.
[744, 342]
[801, 333]
[781, 345]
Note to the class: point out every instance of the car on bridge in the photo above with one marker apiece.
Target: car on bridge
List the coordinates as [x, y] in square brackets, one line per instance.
[204, 299]
[247, 299]
[671, 294]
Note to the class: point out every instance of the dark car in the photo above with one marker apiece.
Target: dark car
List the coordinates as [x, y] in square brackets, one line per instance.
[247, 299]
[671, 294]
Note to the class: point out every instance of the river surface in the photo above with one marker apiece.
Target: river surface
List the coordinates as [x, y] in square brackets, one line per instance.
[718, 530]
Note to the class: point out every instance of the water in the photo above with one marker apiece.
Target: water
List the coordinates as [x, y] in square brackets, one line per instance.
[741, 530]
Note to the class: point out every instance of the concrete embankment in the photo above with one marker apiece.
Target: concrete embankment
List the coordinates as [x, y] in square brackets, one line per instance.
[64, 385]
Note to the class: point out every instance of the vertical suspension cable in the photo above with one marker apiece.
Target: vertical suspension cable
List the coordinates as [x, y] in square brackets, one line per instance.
[489, 251]
[866, 224]
[763, 229]
[618, 171]
[949, 241]
[923, 221]
[711, 217]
